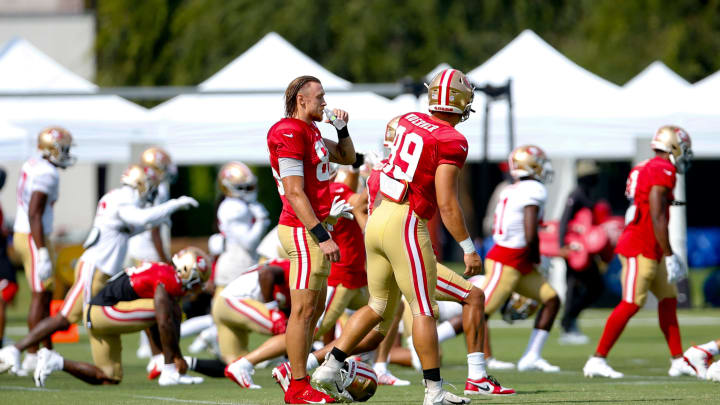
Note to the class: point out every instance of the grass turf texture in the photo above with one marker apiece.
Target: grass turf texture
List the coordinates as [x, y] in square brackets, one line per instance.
[641, 354]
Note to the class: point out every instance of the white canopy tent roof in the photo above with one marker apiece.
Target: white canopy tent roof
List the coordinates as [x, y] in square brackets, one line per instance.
[103, 126]
[13, 141]
[218, 128]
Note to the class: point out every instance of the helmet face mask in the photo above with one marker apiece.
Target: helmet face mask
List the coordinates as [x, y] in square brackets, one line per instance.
[676, 142]
[192, 267]
[236, 180]
[530, 161]
[54, 143]
[450, 91]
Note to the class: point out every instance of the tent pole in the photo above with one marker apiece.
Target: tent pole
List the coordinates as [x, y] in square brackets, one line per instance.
[511, 121]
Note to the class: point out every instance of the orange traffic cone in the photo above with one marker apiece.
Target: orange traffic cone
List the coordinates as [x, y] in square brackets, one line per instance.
[65, 336]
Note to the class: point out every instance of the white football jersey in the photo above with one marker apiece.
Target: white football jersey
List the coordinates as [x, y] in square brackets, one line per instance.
[109, 238]
[141, 247]
[245, 286]
[234, 220]
[237, 224]
[508, 228]
[37, 174]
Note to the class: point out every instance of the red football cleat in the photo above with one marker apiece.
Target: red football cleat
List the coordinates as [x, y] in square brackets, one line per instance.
[282, 375]
[486, 386]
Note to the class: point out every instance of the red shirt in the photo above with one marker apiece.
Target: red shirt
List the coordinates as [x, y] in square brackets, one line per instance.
[146, 277]
[296, 139]
[638, 236]
[350, 270]
[422, 143]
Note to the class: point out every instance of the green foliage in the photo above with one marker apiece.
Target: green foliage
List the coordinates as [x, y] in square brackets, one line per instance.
[182, 42]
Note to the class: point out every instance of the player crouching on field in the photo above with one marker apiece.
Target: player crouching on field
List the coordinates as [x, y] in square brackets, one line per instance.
[511, 265]
[141, 297]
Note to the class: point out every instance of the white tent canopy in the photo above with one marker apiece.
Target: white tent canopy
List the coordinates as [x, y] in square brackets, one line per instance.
[13, 140]
[218, 128]
[103, 126]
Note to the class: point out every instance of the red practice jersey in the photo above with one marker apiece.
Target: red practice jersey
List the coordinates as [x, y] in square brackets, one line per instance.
[281, 292]
[296, 139]
[350, 270]
[422, 143]
[638, 236]
[146, 277]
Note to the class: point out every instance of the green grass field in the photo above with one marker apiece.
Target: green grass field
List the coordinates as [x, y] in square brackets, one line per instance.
[641, 354]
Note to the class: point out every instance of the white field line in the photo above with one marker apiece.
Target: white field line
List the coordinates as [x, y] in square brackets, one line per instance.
[11, 388]
[187, 401]
[682, 320]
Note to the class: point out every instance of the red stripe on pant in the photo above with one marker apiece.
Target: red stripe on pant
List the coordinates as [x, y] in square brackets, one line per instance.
[417, 266]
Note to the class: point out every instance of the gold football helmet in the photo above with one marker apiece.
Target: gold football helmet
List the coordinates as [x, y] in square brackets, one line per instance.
[675, 141]
[530, 161]
[359, 380]
[159, 160]
[192, 266]
[142, 179]
[236, 180]
[390, 132]
[518, 307]
[54, 143]
[450, 91]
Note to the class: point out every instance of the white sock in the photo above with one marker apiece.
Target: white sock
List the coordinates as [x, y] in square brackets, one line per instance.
[332, 362]
[380, 368]
[195, 325]
[476, 365]
[169, 368]
[711, 347]
[312, 362]
[433, 385]
[30, 356]
[536, 343]
[144, 339]
[245, 364]
[445, 331]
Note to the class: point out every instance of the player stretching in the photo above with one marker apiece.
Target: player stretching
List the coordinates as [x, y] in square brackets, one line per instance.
[419, 177]
[143, 297]
[511, 263]
[300, 160]
[120, 214]
[643, 248]
[37, 193]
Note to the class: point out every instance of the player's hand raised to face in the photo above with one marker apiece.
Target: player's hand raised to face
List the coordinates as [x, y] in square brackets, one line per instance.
[473, 264]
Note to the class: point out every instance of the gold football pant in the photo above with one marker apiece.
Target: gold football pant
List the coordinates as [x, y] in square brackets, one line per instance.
[501, 280]
[337, 301]
[235, 319]
[308, 267]
[108, 323]
[24, 245]
[640, 275]
[88, 279]
[400, 261]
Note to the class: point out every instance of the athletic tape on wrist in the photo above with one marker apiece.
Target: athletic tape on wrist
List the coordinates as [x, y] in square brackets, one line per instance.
[320, 233]
[467, 246]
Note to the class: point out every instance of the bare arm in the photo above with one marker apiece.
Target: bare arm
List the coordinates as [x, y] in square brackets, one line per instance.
[342, 152]
[446, 186]
[158, 243]
[168, 325]
[530, 224]
[268, 277]
[38, 200]
[359, 201]
[659, 203]
[351, 179]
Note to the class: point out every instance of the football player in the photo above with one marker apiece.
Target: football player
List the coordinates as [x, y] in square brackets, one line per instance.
[511, 264]
[121, 213]
[300, 159]
[648, 262]
[700, 358]
[37, 193]
[8, 282]
[420, 176]
[257, 301]
[142, 297]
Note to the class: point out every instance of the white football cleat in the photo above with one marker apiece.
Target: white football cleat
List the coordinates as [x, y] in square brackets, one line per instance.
[573, 338]
[143, 351]
[598, 367]
[28, 365]
[699, 359]
[436, 395]
[529, 363]
[48, 362]
[241, 375]
[679, 367]
[713, 372]
[495, 364]
[155, 366]
[329, 380]
[387, 378]
[168, 378]
[10, 359]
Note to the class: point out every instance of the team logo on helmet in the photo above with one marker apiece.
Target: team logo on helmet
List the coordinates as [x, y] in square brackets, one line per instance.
[530, 161]
[159, 160]
[192, 266]
[675, 141]
[450, 91]
[236, 180]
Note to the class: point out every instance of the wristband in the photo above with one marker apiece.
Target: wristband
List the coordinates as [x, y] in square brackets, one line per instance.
[359, 160]
[343, 133]
[320, 233]
[468, 246]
